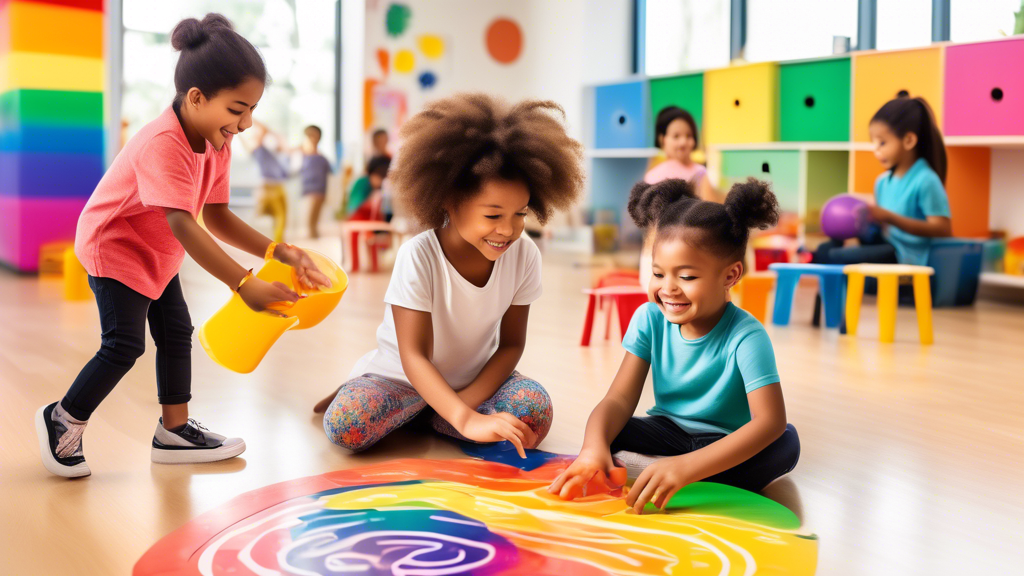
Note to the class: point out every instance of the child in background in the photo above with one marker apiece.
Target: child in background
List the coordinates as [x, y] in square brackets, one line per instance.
[910, 199]
[457, 306]
[676, 134]
[719, 413]
[379, 143]
[358, 205]
[133, 235]
[314, 171]
[272, 199]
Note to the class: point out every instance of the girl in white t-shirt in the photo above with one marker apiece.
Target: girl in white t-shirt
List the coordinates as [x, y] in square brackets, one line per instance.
[472, 168]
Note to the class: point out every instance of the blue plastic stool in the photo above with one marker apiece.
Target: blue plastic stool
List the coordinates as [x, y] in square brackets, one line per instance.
[832, 285]
[957, 264]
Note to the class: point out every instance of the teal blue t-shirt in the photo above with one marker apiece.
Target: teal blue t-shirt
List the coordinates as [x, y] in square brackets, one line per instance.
[702, 384]
[918, 194]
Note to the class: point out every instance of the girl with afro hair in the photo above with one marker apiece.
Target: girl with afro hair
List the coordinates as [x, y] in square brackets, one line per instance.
[718, 411]
[471, 169]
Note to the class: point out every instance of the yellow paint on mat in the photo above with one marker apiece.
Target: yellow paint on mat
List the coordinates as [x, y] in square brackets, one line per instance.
[432, 46]
[404, 61]
[30, 70]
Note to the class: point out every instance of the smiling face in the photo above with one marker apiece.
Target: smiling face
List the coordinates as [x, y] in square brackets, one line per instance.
[690, 285]
[493, 219]
[227, 112]
[678, 141]
[890, 149]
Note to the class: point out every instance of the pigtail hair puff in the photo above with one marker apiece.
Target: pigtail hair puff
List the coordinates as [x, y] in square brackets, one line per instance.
[752, 204]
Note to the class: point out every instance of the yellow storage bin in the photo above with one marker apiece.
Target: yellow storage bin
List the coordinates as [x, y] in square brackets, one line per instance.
[741, 104]
[881, 76]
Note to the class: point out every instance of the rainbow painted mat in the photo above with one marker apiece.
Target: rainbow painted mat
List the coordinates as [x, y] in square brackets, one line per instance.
[437, 517]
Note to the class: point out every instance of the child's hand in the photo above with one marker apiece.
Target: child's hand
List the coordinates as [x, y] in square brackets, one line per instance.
[262, 296]
[308, 274]
[590, 465]
[879, 214]
[498, 427]
[658, 482]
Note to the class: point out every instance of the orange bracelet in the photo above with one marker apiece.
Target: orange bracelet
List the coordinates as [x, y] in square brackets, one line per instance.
[244, 279]
[270, 252]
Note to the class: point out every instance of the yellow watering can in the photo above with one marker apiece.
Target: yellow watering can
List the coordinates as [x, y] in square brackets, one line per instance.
[238, 338]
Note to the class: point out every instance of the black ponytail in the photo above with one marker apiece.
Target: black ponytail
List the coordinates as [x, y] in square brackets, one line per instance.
[213, 57]
[904, 115]
[722, 229]
[648, 201]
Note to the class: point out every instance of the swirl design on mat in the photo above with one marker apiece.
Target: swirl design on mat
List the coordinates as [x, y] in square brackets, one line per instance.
[435, 518]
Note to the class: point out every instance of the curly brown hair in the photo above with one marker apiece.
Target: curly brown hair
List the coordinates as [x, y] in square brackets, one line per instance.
[456, 144]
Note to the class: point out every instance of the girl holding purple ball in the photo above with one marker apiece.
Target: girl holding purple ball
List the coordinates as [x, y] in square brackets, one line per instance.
[911, 206]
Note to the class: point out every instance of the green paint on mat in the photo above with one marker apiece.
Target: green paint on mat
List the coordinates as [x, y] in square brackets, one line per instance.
[721, 500]
[397, 19]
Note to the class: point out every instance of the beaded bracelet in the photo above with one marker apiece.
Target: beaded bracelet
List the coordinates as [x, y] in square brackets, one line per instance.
[244, 279]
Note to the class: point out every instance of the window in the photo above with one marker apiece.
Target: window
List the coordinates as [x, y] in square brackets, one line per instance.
[685, 35]
[974, 20]
[794, 29]
[903, 24]
[296, 38]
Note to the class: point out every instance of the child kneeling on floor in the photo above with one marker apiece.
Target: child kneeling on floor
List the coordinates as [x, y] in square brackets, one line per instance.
[719, 414]
[471, 168]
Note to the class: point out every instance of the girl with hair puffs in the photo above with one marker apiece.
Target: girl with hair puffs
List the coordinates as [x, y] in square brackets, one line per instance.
[471, 169]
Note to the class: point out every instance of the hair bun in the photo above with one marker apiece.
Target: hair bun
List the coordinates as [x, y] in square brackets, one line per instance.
[752, 204]
[648, 201]
[190, 33]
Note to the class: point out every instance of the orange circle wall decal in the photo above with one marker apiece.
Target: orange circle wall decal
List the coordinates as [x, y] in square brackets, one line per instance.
[504, 40]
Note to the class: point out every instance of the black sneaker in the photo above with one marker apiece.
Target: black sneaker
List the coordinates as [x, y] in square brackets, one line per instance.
[49, 432]
[192, 445]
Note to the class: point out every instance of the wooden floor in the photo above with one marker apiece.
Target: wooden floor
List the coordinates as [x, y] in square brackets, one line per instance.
[912, 456]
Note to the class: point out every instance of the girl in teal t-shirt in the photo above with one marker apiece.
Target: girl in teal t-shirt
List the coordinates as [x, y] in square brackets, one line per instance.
[719, 414]
[910, 199]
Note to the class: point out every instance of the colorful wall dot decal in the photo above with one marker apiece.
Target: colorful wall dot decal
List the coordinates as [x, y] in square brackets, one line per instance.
[442, 517]
[432, 46]
[427, 80]
[504, 40]
[384, 59]
[397, 19]
[405, 61]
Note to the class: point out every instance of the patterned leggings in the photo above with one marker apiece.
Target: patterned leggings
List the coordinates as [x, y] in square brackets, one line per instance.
[370, 407]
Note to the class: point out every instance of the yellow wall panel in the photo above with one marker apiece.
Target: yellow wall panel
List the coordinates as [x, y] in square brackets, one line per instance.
[31, 70]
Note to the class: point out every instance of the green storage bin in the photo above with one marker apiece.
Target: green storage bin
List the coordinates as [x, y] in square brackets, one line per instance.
[814, 101]
[686, 91]
[780, 167]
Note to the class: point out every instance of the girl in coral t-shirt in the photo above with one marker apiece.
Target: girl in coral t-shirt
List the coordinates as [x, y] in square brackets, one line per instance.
[133, 235]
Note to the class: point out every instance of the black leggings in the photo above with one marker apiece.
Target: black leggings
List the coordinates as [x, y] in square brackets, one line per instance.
[660, 436]
[123, 314]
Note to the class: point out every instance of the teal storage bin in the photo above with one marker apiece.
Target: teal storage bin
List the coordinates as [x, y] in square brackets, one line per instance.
[957, 264]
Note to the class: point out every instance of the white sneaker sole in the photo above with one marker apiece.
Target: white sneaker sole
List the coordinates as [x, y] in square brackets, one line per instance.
[197, 456]
[49, 462]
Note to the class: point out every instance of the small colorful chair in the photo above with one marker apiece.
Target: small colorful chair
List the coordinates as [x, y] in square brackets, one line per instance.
[831, 286]
[888, 276]
[752, 291]
[626, 299]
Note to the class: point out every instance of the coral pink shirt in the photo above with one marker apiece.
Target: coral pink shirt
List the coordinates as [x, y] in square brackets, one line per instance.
[123, 232]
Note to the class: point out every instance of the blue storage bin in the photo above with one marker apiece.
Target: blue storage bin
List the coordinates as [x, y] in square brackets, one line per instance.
[620, 118]
[957, 264]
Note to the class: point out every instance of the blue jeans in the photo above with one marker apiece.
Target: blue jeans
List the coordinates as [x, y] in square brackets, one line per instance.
[660, 436]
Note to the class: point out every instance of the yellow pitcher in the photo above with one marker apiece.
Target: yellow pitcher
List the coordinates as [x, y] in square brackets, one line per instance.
[238, 338]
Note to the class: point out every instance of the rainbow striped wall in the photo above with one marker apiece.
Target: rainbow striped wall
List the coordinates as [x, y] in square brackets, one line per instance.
[52, 78]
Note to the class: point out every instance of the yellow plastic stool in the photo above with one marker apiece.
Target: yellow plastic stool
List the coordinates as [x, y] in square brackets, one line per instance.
[753, 291]
[238, 338]
[888, 276]
[76, 279]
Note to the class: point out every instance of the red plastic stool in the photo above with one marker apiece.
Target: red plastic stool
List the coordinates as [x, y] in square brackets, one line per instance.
[625, 298]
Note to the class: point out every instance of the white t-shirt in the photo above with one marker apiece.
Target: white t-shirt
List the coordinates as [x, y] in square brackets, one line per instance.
[465, 317]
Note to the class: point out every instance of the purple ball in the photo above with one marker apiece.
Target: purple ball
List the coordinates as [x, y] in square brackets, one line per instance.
[845, 216]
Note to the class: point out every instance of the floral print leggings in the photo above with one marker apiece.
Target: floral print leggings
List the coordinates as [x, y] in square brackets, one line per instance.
[370, 407]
